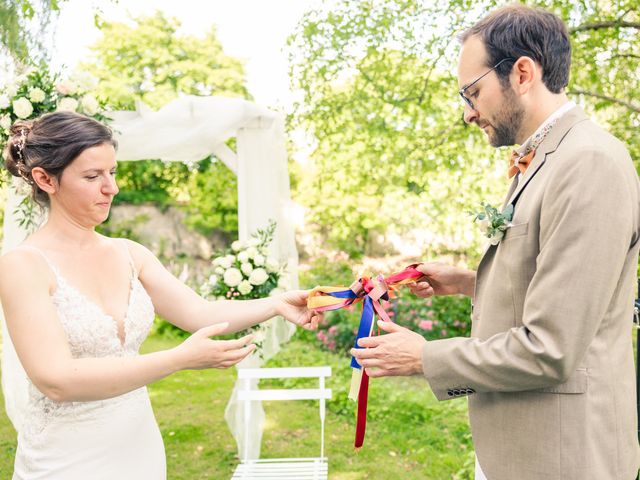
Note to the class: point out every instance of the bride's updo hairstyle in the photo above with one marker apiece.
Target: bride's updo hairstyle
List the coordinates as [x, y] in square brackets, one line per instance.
[51, 142]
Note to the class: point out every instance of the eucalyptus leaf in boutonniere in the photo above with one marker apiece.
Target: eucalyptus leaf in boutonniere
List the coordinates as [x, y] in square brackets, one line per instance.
[493, 223]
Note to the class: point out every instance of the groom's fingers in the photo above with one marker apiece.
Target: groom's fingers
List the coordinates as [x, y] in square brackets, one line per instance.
[377, 372]
[371, 362]
[370, 342]
[362, 353]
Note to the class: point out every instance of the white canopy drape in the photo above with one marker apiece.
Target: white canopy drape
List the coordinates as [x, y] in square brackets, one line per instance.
[190, 129]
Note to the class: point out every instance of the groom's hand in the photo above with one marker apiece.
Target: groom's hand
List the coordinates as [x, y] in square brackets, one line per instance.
[398, 353]
[442, 279]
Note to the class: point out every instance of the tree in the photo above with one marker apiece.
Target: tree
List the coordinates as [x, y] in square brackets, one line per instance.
[150, 61]
[23, 24]
[379, 98]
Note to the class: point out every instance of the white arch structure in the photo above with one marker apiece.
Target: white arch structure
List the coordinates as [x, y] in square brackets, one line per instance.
[189, 129]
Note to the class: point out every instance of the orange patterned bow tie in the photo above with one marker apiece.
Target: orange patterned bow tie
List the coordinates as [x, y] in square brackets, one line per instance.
[519, 164]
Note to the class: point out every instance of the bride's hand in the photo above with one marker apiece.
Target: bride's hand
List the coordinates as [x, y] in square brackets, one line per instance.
[199, 352]
[292, 305]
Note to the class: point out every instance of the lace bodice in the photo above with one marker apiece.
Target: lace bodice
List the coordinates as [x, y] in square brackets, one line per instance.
[91, 333]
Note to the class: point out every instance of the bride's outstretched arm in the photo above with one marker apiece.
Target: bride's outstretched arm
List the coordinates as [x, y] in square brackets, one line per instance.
[41, 343]
[180, 305]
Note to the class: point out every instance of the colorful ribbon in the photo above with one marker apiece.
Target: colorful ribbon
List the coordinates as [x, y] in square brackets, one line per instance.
[370, 291]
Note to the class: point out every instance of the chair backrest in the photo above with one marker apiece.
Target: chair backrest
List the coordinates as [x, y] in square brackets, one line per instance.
[247, 394]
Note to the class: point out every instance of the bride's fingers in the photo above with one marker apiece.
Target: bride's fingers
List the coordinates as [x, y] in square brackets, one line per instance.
[235, 356]
[237, 343]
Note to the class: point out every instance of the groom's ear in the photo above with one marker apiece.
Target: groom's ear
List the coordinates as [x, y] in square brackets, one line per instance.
[524, 75]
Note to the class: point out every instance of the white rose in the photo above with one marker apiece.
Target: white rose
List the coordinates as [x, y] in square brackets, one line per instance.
[232, 277]
[219, 271]
[258, 276]
[259, 260]
[226, 262]
[213, 280]
[237, 246]
[89, 104]
[272, 265]
[67, 104]
[22, 108]
[252, 252]
[244, 287]
[64, 88]
[36, 95]
[246, 268]
[4, 101]
[243, 257]
[5, 122]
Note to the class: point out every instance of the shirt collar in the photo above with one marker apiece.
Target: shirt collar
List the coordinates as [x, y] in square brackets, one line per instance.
[522, 149]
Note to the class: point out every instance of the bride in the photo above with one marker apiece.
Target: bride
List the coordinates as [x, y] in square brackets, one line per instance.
[79, 304]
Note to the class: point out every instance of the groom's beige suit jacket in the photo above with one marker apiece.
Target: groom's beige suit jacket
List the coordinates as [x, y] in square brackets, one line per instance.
[549, 369]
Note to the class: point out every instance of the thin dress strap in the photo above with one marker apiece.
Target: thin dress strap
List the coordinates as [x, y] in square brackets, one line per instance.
[134, 271]
[42, 254]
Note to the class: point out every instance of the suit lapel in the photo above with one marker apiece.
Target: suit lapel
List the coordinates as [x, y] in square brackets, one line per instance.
[548, 145]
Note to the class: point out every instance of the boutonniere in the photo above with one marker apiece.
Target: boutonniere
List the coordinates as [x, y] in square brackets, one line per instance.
[492, 222]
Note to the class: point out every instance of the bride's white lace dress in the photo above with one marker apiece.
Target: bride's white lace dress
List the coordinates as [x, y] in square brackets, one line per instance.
[117, 438]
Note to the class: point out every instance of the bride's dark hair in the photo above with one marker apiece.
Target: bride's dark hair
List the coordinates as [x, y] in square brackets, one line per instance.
[51, 142]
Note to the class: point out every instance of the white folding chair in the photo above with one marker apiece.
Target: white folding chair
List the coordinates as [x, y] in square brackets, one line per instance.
[283, 468]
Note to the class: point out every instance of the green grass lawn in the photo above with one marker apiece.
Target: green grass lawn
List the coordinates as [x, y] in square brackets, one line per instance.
[410, 435]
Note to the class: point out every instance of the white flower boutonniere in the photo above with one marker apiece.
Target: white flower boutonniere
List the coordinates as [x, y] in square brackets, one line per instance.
[492, 222]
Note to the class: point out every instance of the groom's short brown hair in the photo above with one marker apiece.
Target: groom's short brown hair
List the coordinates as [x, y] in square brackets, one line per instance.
[516, 31]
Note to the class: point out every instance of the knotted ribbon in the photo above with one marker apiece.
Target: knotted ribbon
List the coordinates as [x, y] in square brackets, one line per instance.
[370, 292]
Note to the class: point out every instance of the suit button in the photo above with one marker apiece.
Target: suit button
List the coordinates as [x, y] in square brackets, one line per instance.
[450, 393]
[470, 390]
[456, 392]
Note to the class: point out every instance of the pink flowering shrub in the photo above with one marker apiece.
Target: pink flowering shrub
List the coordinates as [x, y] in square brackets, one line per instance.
[433, 318]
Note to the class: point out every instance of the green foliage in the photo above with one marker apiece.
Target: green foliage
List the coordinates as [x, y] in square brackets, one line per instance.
[150, 61]
[379, 98]
[433, 318]
[212, 201]
[151, 181]
[22, 27]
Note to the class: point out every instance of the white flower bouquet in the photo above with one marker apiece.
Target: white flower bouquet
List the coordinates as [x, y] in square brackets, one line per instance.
[246, 271]
[38, 91]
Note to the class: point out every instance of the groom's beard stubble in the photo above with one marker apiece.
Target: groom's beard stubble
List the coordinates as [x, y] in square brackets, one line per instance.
[507, 121]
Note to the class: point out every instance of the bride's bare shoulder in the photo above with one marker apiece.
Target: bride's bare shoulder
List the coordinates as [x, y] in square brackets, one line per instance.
[25, 266]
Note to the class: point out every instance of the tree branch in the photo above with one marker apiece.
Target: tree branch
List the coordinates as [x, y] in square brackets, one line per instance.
[625, 55]
[629, 105]
[608, 24]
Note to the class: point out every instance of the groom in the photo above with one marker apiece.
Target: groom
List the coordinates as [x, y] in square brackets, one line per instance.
[548, 370]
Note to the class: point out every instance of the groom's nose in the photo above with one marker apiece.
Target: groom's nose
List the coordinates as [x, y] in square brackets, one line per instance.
[469, 115]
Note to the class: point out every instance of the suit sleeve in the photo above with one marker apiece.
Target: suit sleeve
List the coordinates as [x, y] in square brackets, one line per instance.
[586, 227]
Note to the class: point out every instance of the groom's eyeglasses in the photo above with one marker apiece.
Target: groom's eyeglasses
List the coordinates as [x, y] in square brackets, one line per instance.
[464, 89]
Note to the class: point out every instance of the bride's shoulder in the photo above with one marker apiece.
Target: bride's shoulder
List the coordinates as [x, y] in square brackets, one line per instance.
[24, 264]
[138, 252]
